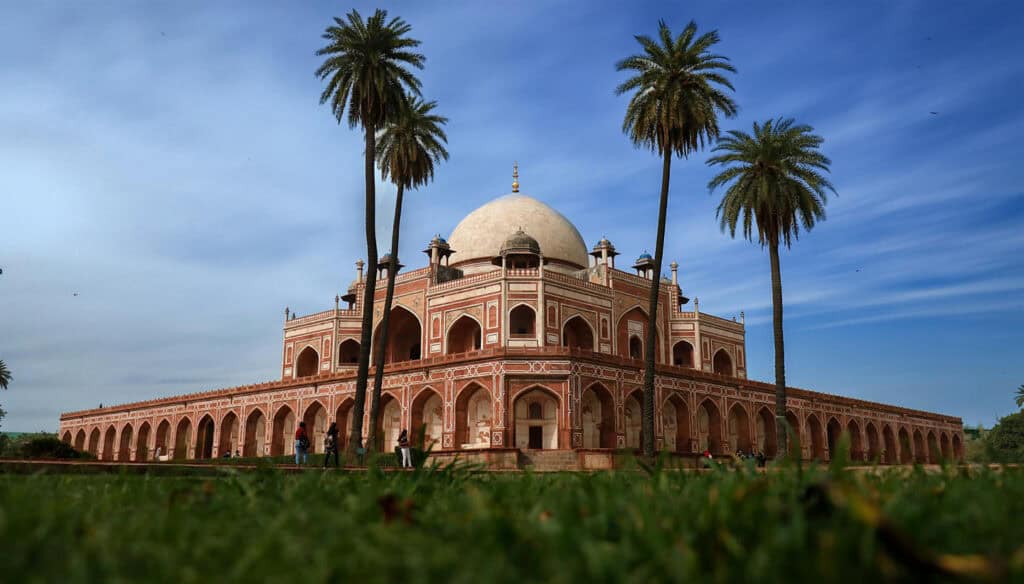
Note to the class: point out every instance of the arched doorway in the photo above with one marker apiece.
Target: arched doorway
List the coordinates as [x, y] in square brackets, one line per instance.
[920, 453]
[889, 448]
[722, 363]
[739, 429]
[856, 447]
[162, 446]
[204, 438]
[933, 448]
[597, 414]
[228, 442]
[308, 363]
[404, 335]
[142, 442]
[428, 418]
[682, 354]
[316, 425]
[576, 334]
[80, 440]
[709, 428]
[66, 437]
[676, 424]
[634, 323]
[124, 449]
[182, 439]
[255, 434]
[536, 420]
[282, 440]
[389, 424]
[464, 336]
[348, 352]
[633, 414]
[794, 435]
[343, 417]
[764, 433]
[473, 415]
[108, 443]
[522, 322]
[958, 449]
[906, 448]
[814, 430]
[833, 431]
[874, 449]
[944, 447]
[94, 442]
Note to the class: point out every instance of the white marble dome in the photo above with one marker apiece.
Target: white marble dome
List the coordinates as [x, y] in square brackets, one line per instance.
[480, 235]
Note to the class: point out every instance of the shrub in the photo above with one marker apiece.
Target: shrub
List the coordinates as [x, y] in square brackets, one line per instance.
[48, 447]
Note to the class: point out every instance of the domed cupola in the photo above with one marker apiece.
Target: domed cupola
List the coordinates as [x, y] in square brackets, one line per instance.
[644, 266]
[520, 250]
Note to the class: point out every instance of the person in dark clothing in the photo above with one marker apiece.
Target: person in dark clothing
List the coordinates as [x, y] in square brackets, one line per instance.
[301, 444]
[403, 444]
[331, 444]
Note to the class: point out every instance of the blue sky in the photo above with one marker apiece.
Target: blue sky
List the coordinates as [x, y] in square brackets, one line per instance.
[169, 162]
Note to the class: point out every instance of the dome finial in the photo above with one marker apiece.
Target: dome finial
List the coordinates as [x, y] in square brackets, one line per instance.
[515, 177]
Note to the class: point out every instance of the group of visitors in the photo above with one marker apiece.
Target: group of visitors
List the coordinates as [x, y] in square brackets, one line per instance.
[740, 455]
[331, 445]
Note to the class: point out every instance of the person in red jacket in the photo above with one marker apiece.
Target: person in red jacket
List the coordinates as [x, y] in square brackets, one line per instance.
[301, 444]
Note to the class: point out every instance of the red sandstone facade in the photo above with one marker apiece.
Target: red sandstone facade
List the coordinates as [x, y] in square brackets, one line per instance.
[519, 353]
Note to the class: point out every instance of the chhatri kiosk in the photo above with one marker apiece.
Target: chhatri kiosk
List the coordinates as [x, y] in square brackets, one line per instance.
[516, 344]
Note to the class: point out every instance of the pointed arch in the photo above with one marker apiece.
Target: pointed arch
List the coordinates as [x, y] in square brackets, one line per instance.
[578, 334]
[682, 354]
[536, 412]
[676, 424]
[124, 447]
[920, 453]
[890, 448]
[94, 442]
[933, 448]
[464, 335]
[66, 437]
[473, 416]
[874, 443]
[944, 447]
[632, 414]
[815, 432]
[597, 412]
[142, 442]
[766, 440]
[634, 323]
[906, 447]
[162, 445]
[389, 424]
[182, 438]
[709, 428]
[405, 331]
[109, 443]
[316, 425]
[739, 429]
[282, 437]
[308, 363]
[795, 434]
[833, 430]
[348, 353]
[958, 447]
[229, 435]
[856, 443]
[80, 440]
[722, 363]
[343, 417]
[522, 322]
[255, 433]
[427, 415]
[204, 438]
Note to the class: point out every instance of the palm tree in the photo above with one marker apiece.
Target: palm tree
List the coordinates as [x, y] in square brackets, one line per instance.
[407, 149]
[5, 375]
[678, 93]
[775, 180]
[367, 73]
[1019, 399]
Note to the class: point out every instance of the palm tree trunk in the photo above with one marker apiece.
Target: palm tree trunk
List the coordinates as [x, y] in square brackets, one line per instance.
[382, 338]
[366, 334]
[647, 425]
[782, 437]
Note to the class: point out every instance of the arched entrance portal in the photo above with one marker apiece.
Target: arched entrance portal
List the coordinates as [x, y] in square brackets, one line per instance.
[464, 336]
[795, 436]
[66, 437]
[142, 442]
[80, 440]
[833, 431]
[162, 445]
[404, 335]
[316, 425]
[204, 438]
[473, 414]
[682, 354]
[282, 441]
[856, 447]
[814, 430]
[182, 439]
[228, 443]
[765, 435]
[933, 448]
[944, 447]
[723, 363]
[576, 334]
[906, 449]
[536, 420]
[343, 417]
[94, 442]
[348, 352]
[308, 363]
[124, 449]
[597, 413]
[427, 418]
[522, 322]
[634, 324]
[676, 424]
[739, 430]
[108, 443]
[389, 424]
[920, 454]
[889, 448]
[633, 413]
[709, 428]
[255, 434]
[958, 449]
[874, 444]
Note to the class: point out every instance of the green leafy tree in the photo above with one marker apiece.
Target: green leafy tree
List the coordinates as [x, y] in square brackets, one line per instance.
[774, 186]
[677, 92]
[1019, 397]
[407, 150]
[1005, 442]
[367, 74]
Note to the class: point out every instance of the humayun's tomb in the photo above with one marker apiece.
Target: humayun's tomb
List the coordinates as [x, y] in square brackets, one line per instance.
[516, 344]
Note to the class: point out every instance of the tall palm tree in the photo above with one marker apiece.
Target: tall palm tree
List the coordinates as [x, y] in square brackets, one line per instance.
[1019, 398]
[5, 375]
[678, 91]
[774, 186]
[407, 149]
[367, 73]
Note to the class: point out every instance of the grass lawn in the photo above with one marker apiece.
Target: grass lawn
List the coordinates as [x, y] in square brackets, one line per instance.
[459, 525]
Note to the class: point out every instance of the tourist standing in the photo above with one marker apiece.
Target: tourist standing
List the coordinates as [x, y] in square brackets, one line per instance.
[331, 444]
[301, 444]
[403, 444]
